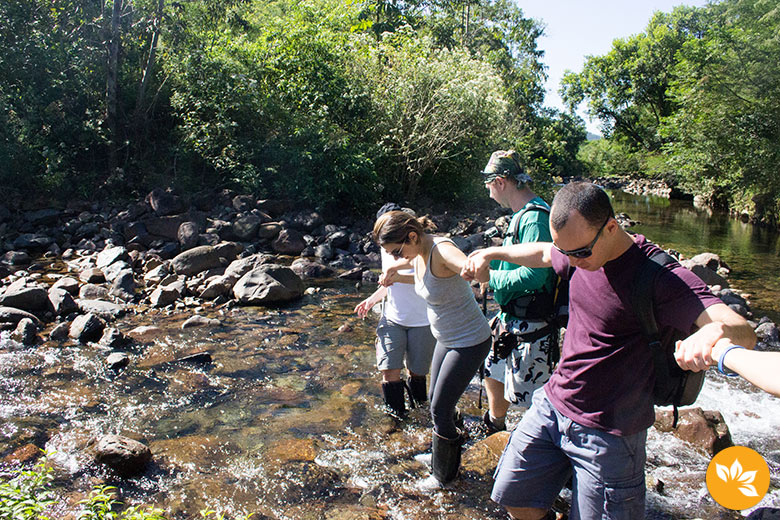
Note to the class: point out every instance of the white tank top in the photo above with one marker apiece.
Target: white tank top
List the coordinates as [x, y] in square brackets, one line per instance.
[403, 306]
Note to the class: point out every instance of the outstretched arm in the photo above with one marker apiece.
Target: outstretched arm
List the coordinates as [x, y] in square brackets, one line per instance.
[760, 368]
[366, 305]
[715, 323]
[534, 254]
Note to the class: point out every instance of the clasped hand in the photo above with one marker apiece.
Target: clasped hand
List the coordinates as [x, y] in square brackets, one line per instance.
[476, 267]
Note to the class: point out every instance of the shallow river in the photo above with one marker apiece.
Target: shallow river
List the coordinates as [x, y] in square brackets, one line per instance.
[285, 422]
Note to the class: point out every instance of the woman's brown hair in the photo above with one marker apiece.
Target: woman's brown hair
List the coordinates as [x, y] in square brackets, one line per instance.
[394, 227]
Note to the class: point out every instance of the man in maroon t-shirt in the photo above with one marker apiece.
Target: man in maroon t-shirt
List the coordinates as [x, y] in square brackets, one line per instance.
[589, 422]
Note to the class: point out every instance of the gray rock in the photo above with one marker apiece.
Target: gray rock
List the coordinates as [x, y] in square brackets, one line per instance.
[199, 321]
[324, 252]
[86, 327]
[289, 242]
[60, 332]
[244, 202]
[768, 332]
[240, 267]
[26, 298]
[43, 217]
[13, 316]
[125, 456]
[36, 242]
[195, 260]
[111, 272]
[61, 301]
[117, 360]
[67, 283]
[113, 338]
[339, 240]
[307, 269]
[104, 309]
[26, 332]
[123, 286]
[228, 250]
[188, 235]
[91, 291]
[156, 275]
[16, 258]
[707, 275]
[307, 220]
[93, 275]
[218, 286]
[165, 227]
[245, 228]
[163, 296]
[110, 255]
[267, 285]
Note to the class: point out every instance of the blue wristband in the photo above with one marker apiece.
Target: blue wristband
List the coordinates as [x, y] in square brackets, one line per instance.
[723, 370]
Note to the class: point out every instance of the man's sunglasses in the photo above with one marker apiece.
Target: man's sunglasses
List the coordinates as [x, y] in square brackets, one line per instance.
[583, 252]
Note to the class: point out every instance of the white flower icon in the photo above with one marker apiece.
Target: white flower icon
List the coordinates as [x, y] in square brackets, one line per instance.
[742, 479]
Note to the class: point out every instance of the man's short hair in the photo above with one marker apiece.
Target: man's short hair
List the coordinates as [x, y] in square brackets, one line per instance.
[586, 198]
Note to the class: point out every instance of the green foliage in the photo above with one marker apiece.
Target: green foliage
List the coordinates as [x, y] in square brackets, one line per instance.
[28, 494]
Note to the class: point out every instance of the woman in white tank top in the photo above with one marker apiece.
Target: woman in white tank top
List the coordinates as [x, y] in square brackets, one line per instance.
[461, 331]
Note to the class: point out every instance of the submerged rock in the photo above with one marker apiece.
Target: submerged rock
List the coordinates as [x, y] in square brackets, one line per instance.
[705, 430]
[126, 456]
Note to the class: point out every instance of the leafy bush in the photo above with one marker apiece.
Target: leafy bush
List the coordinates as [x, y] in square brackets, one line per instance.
[28, 494]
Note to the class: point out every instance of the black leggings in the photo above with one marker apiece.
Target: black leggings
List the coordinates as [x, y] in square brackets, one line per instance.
[451, 372]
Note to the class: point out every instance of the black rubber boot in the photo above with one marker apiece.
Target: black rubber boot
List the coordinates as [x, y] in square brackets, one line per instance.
[491, 427]
[418, 390]
[445, 461]
[394, 397]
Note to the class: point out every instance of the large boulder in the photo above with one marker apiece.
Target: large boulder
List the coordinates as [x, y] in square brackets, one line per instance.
[62, 302]
[308, 269]
[126, 456]
[245, 228]
[25, 298]
[268, 285]
[705, 430]
[188, 235]
[13, 315]
[87, 327]
[195, 260]
[289, 242]
[110, 255]
[164, 202]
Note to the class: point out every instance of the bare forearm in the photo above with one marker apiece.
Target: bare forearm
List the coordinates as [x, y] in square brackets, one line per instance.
[535, 254]
[760, 368]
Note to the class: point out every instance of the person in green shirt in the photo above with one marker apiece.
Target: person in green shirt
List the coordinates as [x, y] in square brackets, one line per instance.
[524, 295]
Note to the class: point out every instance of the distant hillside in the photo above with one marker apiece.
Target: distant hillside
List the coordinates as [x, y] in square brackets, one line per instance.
[594, 137]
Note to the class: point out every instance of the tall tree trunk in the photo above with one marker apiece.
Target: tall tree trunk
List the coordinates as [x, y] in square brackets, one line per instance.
[139, 117]
[111, 86]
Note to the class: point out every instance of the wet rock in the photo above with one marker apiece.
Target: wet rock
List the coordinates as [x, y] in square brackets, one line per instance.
[198, 358]
[324, 252]
[26, 454]
[164, 202]
[117, 360]
[61, 301]
[113, 338]
[26, 332]
[86, 327]
[67, 283]
[699, 265]
[297, 482]
[268, 284]
[187, 235]
[768, 332]
[195, 260]
[199, 321]
[102, 308]
[289, 242]
[145, 333]
[25, 298]
[164, 296]
[92, 291]
[111, 255]
[16, 258]
[307, 269]
[482, 458]
[705, 430]
[60, 332]
[126, 456]
[93, 275]
[288, 450]
[352, 274]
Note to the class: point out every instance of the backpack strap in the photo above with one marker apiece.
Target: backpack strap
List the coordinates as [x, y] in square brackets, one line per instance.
[516, 228]
[642, 297]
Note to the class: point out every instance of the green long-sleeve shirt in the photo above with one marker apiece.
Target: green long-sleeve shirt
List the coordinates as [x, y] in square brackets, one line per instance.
[509, 281]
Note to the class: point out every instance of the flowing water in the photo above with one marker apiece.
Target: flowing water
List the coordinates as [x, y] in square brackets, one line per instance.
[285, 421]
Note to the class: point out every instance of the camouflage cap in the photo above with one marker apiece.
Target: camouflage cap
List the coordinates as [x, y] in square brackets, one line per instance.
[505, 163]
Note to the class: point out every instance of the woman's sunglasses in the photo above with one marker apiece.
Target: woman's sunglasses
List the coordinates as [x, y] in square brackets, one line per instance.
[397, 253]
[583, 252]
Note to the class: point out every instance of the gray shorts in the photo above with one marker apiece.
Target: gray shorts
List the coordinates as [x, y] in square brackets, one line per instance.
[547, 448]
[395, 342]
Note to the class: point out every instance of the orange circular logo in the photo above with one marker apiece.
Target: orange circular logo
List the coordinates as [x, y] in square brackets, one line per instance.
[738, 478]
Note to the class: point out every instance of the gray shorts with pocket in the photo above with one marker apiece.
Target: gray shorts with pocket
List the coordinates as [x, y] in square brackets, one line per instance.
[395, 342]
[546, 448]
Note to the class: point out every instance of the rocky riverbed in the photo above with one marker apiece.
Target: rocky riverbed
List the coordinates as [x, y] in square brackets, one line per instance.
[146, 295]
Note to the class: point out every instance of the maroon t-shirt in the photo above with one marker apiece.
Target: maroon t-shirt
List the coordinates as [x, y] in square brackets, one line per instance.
[605, 376]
